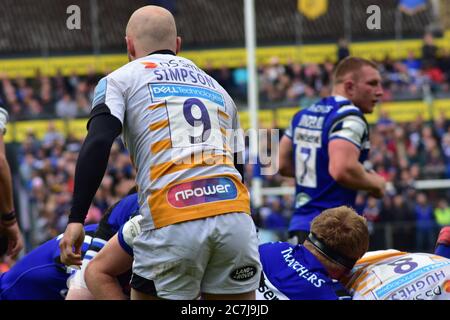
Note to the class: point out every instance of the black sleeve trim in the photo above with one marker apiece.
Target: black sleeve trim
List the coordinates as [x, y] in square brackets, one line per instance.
[92, 162]
[99, 109]
[351, 113]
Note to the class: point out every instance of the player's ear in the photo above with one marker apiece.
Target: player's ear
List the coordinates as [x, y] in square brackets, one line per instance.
[130, 48]
[178, 45]
[349, 87]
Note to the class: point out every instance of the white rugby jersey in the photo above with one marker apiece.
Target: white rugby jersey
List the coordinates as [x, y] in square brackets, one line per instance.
[396, 275]
[176, 125]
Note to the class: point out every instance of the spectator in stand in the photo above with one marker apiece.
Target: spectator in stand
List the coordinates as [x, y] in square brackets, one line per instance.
[52, 136]
[343, 51]
[425, 224]
[445, 146]
[403, 218]
[444, 63]
[372, 214]
[429, 51]
[413, 64]
[384, 122]
[240, 78]
[66, 107]
[442, 213]
[308, 98]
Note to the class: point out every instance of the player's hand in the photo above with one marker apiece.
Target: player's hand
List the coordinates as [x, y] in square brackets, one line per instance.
[15, 240]
[71, 243]
[379, 185]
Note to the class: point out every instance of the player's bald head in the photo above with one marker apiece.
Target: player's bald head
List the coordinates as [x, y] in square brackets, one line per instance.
[152, 28]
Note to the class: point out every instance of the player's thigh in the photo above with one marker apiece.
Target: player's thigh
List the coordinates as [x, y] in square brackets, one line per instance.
[234, 267]
[241, 296]
[170, 262]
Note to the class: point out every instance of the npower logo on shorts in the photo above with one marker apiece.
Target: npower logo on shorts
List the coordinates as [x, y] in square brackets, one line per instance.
[201, 191]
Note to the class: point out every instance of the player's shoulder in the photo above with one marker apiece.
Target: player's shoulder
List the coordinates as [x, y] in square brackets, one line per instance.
[379, 255]
[343, 106]
[124, 72]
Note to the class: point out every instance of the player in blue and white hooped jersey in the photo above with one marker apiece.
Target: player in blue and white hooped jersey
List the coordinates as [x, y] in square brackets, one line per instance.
[327, 143]
[40, 275]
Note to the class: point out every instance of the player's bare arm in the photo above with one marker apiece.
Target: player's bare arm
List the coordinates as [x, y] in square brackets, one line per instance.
[287, 168]
[345, 168]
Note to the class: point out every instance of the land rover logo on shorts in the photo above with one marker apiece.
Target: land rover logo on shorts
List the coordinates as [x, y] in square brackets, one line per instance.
[201, 191]
[243, 274]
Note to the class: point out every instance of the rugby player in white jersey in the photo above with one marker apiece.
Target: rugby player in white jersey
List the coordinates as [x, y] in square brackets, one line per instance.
[396, 275]
[197, 234]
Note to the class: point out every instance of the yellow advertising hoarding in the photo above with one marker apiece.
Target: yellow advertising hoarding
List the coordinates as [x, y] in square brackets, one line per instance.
[217, 58]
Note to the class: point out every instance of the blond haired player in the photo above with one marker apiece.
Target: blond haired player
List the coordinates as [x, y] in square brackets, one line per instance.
[197, 235]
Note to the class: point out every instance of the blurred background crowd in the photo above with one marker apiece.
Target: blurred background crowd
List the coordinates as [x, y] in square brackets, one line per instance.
[291, 84]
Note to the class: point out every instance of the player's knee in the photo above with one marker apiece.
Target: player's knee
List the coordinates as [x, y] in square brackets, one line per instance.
[91, 273]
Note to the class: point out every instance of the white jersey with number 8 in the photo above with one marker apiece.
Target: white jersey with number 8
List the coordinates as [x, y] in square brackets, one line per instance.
[396, 275]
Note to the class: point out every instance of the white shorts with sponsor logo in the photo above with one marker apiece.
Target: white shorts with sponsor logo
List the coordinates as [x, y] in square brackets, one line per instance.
[215, 255]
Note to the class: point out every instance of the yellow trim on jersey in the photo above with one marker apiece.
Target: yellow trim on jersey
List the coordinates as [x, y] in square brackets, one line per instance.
[156, 106]
[159, 125]
[359, 280]
[361, 285]
[376, 257]
[195, 161]
[224, 132]
[224, 115]
[161, 145]
[163, 214]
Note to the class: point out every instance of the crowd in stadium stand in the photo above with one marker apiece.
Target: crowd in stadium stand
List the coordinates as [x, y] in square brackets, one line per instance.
[291, 84]
[47, 169]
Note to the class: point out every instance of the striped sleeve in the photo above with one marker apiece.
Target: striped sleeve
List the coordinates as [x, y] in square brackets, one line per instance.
[351, 128]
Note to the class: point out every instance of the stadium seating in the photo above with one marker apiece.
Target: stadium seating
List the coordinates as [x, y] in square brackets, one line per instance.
[28, 25]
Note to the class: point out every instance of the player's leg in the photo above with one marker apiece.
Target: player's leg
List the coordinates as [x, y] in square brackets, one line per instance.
[79, 294]
[78, 289]
[104, 269]
[240, 296]
[234, 270]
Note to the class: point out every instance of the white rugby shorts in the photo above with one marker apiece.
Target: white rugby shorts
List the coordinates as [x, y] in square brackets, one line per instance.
[215, 255]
